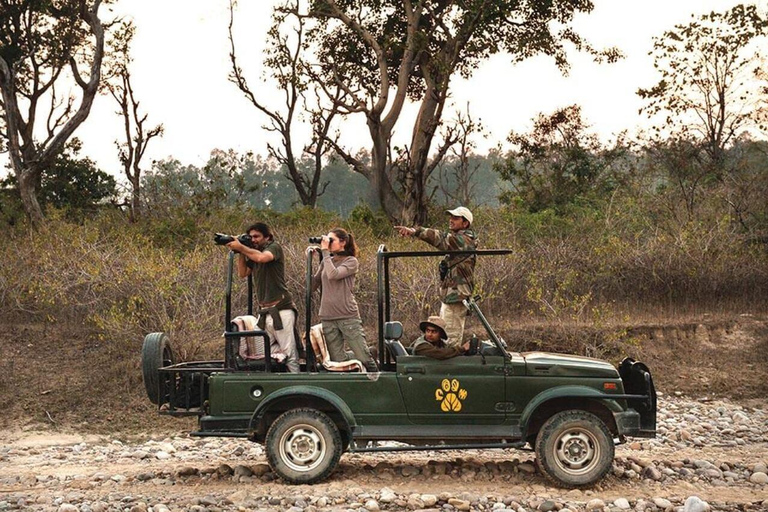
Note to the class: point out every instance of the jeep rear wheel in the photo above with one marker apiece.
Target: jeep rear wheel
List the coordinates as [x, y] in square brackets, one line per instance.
[303, 446]
[574, 448]
[155, 354]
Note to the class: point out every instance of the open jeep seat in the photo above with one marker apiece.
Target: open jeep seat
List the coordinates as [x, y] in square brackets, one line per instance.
[317, 339]
[250, 353]
[393, 331]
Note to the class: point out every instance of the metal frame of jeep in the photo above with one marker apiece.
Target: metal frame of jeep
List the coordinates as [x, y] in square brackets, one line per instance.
[572, 425]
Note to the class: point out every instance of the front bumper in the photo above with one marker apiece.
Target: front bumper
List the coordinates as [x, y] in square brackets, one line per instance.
[629, 424]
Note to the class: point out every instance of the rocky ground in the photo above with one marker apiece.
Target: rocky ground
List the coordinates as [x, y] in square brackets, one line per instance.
[710, 455]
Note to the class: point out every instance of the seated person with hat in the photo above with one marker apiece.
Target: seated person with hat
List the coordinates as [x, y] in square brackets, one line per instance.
[432, 343]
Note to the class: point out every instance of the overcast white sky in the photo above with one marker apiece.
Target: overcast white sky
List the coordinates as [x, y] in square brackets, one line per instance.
[181, 67]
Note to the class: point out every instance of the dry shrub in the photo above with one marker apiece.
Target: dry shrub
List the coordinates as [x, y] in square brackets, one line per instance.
[590, 271]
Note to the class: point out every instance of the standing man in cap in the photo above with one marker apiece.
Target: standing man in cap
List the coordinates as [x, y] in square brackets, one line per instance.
[432, 343]
[456, 270]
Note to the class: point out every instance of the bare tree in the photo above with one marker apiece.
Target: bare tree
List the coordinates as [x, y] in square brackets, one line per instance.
[707, 90]
[136, 135]
[42, 43]
[285, 59]
[385, 53]
[458, 166]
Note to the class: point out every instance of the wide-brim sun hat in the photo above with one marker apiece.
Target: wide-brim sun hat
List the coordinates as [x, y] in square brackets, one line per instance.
[436, 322]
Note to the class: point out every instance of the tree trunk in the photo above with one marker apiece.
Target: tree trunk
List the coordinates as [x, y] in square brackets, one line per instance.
[135, 199]
[28, 181]
[415, 205]
[383, 172]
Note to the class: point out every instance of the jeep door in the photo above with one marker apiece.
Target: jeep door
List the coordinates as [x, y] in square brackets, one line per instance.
[460, 390]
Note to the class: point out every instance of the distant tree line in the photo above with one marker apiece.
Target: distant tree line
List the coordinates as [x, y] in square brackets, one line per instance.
[340, 59]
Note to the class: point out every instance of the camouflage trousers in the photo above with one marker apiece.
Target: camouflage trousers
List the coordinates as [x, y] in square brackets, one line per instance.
[454, 315]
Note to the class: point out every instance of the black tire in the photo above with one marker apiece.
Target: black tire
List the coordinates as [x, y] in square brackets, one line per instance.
[155, 354]
[303, 446]
[574, 449]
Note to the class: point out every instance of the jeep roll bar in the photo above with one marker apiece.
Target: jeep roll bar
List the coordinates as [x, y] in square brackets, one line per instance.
[383, 292]
[471, 305]
[228, 296]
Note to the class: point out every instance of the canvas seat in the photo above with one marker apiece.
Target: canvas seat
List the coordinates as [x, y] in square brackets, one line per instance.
[251, 348]
[317, 339]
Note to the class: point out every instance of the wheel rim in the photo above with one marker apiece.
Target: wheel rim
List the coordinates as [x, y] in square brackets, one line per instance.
[302, 447]
[167, 356]
[577, 451]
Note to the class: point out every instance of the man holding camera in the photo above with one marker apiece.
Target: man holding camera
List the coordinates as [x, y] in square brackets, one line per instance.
[456, 270]
[277, 314]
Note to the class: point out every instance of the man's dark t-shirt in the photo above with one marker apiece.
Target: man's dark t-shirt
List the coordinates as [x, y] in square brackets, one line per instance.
[270, 278]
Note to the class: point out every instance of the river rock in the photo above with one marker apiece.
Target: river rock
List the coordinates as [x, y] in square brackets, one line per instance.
[622, 503]
[241, 470]
[459, 504]
[260, 470]
[595, 504]
[695, 504]
[429, 500]
[187, 471]
[387, 496]
[759, 478]
[527, 467]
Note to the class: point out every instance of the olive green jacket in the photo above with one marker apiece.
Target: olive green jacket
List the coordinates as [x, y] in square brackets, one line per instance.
[459, 283]
[421, 347]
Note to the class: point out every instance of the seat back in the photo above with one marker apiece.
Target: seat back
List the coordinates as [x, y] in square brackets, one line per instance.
[395, 348]
[249, 347]
[317, 339]
[393, 330]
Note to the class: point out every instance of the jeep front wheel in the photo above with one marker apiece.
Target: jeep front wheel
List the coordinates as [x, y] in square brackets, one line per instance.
[303, 446]
[574, 448]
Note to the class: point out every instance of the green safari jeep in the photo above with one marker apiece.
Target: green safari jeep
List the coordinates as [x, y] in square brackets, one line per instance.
[570, 410]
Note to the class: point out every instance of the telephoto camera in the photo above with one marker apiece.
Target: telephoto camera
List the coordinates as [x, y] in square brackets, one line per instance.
[222, 239]
[315, 239]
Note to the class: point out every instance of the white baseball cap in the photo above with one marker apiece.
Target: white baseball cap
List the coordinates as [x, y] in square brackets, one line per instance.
[461, 211]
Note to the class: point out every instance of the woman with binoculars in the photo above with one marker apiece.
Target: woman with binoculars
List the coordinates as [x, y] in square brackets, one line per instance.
[338, 308]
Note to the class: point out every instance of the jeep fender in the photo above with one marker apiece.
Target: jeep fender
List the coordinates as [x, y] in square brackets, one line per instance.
[310, 392]
[569, 392]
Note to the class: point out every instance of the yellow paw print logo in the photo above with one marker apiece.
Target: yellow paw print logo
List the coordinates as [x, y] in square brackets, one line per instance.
[450, 395]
